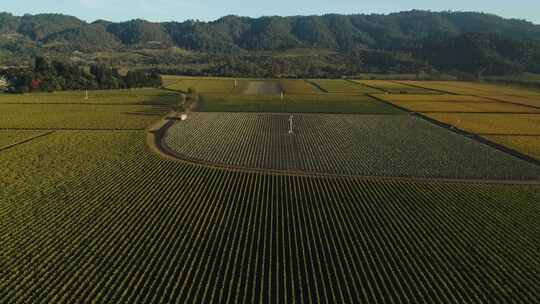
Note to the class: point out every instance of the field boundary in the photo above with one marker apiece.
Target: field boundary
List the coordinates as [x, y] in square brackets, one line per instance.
[476, 137]
[366, 85]
[155, 140]
[421, 87]
[474, 95]
[24, 141]
[316, 86]
[509, 102]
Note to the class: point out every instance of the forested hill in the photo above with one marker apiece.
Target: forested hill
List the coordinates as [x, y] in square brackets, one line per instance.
[232, 33]
[414, 33]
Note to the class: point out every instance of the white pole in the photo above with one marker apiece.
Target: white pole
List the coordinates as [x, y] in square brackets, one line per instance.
[282, 96]
[291, 124]
[86, 95]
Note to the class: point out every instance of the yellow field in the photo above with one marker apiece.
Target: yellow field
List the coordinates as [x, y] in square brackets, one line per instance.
[297, 86]
[444, 86]
[531, 100]
[430, 98]
[470, 107]
[500, 124]
[529, 145]
[494, 89]
[471, 88]
[395, 87]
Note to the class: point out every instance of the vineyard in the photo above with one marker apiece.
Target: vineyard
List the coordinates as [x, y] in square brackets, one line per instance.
[363, 202]
[341, 144]
[73, 116]
[128, 227]
[323, 103]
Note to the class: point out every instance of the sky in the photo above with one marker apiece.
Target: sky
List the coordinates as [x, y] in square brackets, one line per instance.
[207, 10]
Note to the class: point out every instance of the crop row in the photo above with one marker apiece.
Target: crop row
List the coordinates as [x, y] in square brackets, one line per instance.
[156, 231]
[369, 145]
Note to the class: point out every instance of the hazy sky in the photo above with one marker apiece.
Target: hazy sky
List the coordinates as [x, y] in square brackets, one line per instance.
[179, 10]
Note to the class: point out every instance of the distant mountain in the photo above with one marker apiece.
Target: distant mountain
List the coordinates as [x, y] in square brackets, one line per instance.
[89, 38]
[450, 36]
[338, 32]
[485, 53]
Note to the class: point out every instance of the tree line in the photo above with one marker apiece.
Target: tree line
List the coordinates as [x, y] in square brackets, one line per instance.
[50, 76]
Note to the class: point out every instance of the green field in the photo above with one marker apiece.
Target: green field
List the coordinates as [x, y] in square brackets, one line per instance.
[8, 138]
[90, 213]
[126, 226]
[363, 145]
[342, 86]
[360, 104]
[297, 86]
[111, 97]
[204, 85]
[74, 116]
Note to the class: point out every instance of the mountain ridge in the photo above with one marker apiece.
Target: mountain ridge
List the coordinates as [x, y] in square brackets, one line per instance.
[401, 42]
[234, 33]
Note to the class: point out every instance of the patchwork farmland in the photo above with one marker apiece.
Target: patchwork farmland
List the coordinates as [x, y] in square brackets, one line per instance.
[374, 193]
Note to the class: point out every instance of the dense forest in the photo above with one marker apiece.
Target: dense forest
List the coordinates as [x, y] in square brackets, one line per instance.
[301, 46]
